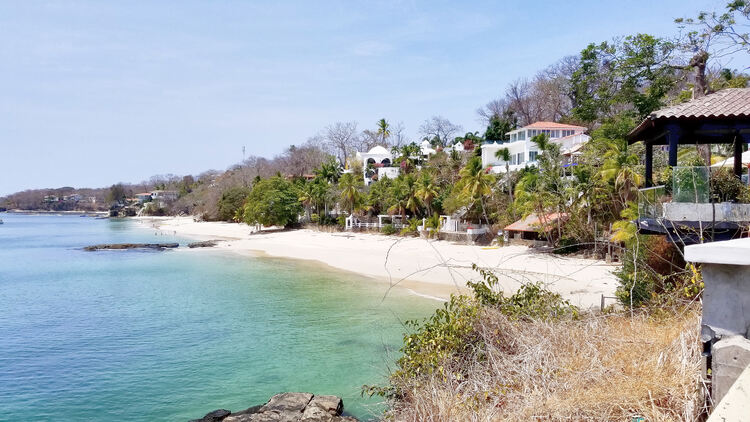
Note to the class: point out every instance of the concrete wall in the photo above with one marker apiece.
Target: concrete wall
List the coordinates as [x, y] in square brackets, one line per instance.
[731, 357]
[726, 301]
[726, 321]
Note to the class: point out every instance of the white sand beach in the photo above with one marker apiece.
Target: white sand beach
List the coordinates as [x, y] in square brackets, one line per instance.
[428, 267]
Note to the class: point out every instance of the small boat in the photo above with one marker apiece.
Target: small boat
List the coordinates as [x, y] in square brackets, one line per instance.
[1, 221]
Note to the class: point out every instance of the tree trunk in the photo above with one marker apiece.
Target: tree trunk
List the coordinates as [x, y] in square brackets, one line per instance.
[700, 89]
[510, 191]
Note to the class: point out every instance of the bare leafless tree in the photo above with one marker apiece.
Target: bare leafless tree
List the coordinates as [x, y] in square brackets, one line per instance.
[398, 135]
[341, 139]
[496, 107]
[545, 97]
[439, 129]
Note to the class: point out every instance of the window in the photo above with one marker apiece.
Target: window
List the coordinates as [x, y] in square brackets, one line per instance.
[522, 135]
[567, 132]
[532, 133]
[532, 155]
[519, 160]
[555, 134]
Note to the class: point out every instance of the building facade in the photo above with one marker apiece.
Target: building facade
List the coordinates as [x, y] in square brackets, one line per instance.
[524, 152]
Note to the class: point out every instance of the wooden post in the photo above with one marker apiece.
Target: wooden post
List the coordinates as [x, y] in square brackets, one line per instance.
[649, 165]
[673, 137]
[738, 140]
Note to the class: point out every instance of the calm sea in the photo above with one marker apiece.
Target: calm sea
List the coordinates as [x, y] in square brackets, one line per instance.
[133, 336]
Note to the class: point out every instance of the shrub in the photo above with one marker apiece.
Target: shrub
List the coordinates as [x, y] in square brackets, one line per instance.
[411, 227]
[451, 333]
[231, 201]
[725, 186]
[652, 271]
[327, 220]
[388, 229]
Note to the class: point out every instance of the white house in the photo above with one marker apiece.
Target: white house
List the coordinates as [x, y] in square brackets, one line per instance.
[164, 195]
[524, 153]
[426, 149]
[377, 161]
[458, 147]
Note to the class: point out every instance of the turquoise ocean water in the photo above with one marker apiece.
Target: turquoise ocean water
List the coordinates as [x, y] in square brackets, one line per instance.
[133, 336]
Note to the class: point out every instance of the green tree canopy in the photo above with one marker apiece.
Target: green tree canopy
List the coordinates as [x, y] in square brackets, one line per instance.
[272, 202]
[232, 200]
[500, 126]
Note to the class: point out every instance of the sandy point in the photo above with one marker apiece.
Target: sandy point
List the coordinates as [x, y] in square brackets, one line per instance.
[427, 267]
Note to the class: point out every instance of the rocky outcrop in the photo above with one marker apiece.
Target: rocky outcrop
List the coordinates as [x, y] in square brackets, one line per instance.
[287, 407]
[117, 246]
[204, 244]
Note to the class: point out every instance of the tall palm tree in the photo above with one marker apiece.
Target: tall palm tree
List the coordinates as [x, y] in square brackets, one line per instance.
[350, 194]
[307, 197]
[426, 189]
[412, 198]
[619, 166]
[404, 196]
[383, 130]
[475, 183]
[399, 198]
[504, 154]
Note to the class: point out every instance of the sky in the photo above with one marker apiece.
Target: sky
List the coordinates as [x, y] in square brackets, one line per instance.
[94, 93]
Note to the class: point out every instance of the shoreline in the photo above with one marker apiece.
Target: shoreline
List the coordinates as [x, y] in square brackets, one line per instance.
[50, 212]
[429, 268]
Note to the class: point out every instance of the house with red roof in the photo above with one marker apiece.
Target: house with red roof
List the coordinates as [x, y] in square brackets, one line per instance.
[524, 152]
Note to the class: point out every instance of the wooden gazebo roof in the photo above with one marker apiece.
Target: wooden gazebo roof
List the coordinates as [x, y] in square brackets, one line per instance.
[719, 118]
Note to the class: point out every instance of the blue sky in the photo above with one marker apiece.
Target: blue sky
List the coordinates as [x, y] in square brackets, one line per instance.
[93, 93]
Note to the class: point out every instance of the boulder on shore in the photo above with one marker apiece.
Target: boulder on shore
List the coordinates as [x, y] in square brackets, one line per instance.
[204, 244]
[287, 407]
[118, 246]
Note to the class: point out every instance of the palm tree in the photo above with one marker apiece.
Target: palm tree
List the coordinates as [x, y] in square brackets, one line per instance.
[329, 171]
[398, 198]
[407, 154]
[404, 196]
[307, 197]
[475, 183]
[350, 194]
[412, 199]
[619, 166]
[383, 130]
[504, 154]
[541, 141]
[426, 189]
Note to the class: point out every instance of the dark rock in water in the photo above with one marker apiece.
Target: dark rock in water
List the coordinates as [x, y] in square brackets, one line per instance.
[204, 244]
[288, 402]
[321, 407]
[117, 246]
[215, 416]
[287, 407]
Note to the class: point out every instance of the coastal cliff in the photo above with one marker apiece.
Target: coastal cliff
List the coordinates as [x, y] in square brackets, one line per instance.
[286, 407]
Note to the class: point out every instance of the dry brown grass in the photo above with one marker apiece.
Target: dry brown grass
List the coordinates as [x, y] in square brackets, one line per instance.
[597, 368]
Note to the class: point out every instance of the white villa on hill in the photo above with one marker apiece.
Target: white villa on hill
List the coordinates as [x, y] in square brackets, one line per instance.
[524, 153]
[378, 162]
